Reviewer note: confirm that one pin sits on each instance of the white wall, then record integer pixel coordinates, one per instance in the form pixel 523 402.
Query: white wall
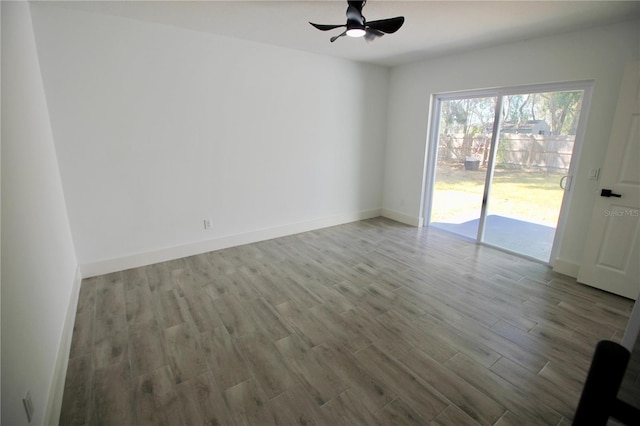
pixel 38 259
pixel 598 54
pixel 158 128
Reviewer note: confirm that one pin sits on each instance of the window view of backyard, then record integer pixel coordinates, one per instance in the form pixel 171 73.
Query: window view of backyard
pixel 535 145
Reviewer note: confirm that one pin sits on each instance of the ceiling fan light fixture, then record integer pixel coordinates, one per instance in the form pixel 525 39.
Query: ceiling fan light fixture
pixel 355 26
pixel 356 32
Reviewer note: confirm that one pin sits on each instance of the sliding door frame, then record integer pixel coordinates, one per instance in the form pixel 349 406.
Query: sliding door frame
pixel 431 153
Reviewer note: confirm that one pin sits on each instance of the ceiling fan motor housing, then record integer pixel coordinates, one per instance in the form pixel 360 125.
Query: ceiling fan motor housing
pixel 355 28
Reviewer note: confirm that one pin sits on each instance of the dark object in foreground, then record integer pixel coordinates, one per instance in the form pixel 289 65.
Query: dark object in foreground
pixel 599 396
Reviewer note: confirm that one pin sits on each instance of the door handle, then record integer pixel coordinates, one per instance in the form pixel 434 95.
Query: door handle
pixel 563 182
pixel 609 193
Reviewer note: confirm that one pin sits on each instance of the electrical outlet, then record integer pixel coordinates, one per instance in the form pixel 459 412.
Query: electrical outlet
pixel 28 405
pixel 207 224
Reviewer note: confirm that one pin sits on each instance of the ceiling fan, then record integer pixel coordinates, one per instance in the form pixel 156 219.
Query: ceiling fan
pixel 357 25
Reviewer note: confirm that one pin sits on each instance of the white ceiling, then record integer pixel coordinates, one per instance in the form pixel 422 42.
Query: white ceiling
pixel 432 28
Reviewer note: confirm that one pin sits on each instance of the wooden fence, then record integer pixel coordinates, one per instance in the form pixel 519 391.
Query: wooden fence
pixel 548 153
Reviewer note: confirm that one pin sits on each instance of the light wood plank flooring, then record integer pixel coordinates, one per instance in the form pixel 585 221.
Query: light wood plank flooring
pixel 372 322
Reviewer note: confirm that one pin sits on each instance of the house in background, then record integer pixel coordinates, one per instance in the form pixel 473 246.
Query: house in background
pixel 120 136
pixel 531 127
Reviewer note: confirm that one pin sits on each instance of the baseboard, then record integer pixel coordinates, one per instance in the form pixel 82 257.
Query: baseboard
pixel 54 403
pixel 163 255
pixel 566 267
pixel 402 218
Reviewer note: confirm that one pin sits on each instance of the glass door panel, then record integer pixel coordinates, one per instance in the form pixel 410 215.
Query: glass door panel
pixel 535 147
pixel 465 129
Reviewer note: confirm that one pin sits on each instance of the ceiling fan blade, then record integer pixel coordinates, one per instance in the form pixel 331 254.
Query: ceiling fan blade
pixel 323 27
pixel 387 26
pixel 372 35
pixel 334 38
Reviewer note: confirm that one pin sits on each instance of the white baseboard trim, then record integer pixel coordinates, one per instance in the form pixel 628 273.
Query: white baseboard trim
pixel 402 218
pixel 148 258
pixel 54 403
pixel 566 267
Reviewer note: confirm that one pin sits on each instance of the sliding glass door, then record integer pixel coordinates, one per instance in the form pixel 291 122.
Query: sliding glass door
pixel 503 166
pixel 466 127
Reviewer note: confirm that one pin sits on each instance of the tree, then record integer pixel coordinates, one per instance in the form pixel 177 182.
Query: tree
pixel 564 110
pixel 560 110
pixel 468 116
pixel 514 109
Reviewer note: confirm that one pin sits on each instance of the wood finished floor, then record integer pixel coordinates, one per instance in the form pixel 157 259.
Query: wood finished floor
pixel 372 322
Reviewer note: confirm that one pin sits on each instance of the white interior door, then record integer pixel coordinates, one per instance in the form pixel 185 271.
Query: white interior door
pixel 612 255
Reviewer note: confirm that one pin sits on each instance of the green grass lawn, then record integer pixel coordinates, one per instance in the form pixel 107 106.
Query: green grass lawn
pixel 528 195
